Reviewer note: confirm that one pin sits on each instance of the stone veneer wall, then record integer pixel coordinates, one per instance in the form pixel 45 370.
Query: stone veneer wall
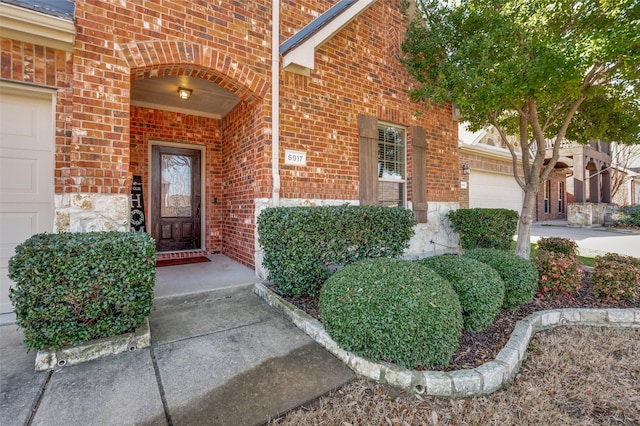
pixel 586 215
pixel 91 212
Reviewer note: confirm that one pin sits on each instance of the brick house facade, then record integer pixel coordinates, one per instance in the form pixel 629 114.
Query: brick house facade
pixel 104 134
pixel 553 197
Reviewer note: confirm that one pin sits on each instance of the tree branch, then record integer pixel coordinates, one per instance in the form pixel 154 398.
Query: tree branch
pixel 505 140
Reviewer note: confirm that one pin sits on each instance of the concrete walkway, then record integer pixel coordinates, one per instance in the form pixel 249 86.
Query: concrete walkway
pixel 217 358
pixel 591 241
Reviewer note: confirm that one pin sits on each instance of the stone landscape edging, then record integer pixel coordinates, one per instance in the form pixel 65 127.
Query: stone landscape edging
pixel 48 359
pixel 479 381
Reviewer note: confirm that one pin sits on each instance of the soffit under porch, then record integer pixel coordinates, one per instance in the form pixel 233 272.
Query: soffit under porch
pixel 207 99
pixel 218 82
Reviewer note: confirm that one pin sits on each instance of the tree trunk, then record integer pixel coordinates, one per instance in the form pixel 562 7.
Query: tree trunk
pixel 523 246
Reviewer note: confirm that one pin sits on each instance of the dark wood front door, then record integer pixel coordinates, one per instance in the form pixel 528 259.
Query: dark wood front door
pixel 175 208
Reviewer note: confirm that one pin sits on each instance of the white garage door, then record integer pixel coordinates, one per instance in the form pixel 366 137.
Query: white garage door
pixel 26 172
pixel 491 190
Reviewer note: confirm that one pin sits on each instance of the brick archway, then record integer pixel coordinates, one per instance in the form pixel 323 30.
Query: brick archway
pixel 150 59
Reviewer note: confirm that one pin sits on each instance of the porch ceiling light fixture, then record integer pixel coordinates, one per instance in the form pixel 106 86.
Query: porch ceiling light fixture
pixel 184 94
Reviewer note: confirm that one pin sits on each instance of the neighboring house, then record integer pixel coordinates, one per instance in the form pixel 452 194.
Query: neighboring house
pixel 583 177
pixel 555 194
pixel 626 174
pixel 92 99
pixel 627 186
pixel 486 168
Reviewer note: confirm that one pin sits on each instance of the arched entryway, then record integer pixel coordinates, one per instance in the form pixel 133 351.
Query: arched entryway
pixel 196 158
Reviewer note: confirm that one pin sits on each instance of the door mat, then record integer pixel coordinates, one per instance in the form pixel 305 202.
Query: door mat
pixel 183 261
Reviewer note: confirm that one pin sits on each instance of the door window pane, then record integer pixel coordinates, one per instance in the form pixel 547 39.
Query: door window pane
pixel 176 186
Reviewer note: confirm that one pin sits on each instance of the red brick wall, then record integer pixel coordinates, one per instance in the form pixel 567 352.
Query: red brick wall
pixel 157 125
pixel 486 163
pixel 243 181
pixel 464 160
pixel 106 52
pixel 356 72
pixel 102 140
pixel 43 66
pixel 231 178
pixel 555 178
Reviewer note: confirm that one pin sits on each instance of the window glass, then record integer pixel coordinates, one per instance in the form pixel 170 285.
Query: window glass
pixel 176 186
pixel 391 165
pixel 547 193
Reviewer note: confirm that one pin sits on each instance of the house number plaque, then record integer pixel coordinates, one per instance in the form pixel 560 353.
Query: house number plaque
pixel 295 158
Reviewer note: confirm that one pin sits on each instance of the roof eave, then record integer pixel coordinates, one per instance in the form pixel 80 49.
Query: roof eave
pixel 34 27
pixel 299 50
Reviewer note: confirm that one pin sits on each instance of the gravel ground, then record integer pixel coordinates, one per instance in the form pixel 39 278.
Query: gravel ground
pixel 572 376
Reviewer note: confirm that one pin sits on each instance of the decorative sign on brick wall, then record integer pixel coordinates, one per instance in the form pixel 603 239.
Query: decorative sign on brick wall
pixel 137 206
pixel 295 158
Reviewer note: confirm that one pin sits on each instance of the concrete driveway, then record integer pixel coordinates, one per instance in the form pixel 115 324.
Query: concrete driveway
pixel 591 241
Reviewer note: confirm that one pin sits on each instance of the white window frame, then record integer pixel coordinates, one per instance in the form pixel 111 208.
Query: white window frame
pixel 403 180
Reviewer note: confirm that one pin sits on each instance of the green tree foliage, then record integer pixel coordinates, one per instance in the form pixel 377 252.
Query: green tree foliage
pixel 544 70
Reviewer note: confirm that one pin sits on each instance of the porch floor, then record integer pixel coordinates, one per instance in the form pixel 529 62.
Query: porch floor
pixel 222 272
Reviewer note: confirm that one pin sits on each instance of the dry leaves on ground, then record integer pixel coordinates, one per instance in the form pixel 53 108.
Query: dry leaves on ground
pixel 476 348
pixel 572 376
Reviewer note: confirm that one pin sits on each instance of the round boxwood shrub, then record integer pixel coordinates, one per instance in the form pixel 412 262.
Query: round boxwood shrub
pixel 479 287
pixel 392 310
pixel 561 245
pixel 520 275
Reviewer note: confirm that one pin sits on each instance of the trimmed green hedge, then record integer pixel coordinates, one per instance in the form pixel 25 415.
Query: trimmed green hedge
pixel 520 276
pixel 392 310
pixel 301 243
pixel 75 287
pixel 479 287
pixel 629 216
pixel 484 228
pixel 561 245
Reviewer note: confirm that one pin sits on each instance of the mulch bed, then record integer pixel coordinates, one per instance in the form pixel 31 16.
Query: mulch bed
pixel 481 347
